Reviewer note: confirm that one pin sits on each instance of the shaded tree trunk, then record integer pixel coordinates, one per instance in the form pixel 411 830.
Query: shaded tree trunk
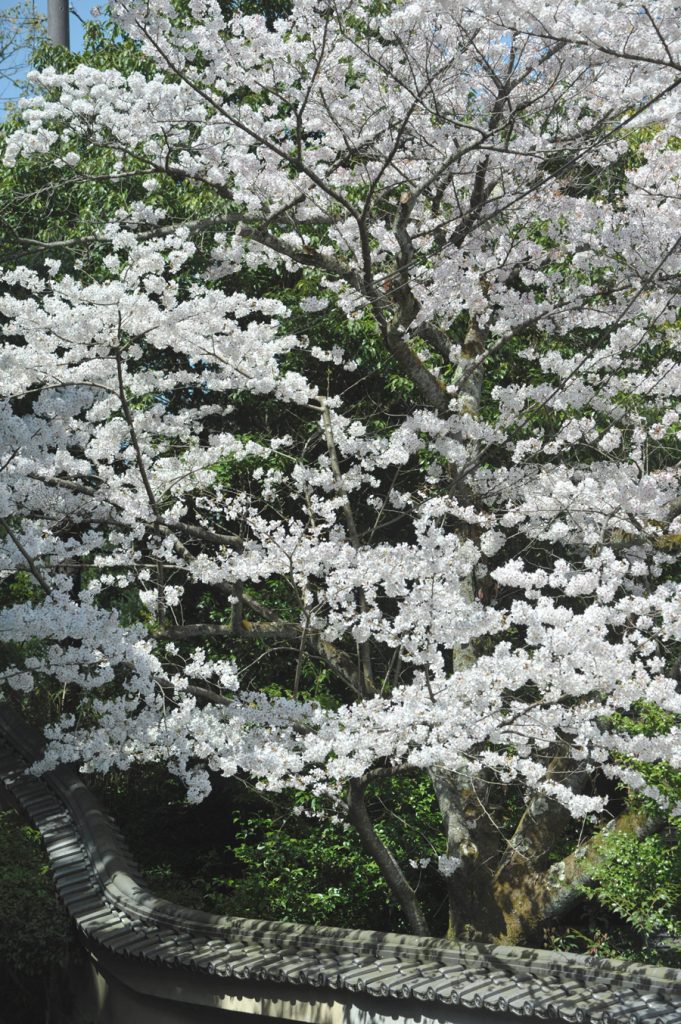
pixel 390 869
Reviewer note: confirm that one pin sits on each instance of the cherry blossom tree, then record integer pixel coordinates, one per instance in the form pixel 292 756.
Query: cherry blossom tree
pixel 442 469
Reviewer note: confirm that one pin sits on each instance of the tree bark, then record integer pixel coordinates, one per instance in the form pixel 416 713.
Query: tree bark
pixel 473 913
pixel 390 869
pixel 530 899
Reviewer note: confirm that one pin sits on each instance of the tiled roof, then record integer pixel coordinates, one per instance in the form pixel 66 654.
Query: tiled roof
pixel 110 905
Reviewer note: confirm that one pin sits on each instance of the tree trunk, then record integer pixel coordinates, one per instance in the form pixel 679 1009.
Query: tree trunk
pixel 473 913
pixel 390 869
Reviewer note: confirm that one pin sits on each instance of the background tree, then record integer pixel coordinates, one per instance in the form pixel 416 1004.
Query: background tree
pixel 22 29
pixel 406 502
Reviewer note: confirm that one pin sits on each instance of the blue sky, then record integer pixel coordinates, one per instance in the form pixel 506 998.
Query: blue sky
pixel 80 11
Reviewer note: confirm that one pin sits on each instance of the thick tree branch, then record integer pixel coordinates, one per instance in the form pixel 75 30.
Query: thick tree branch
pixel 542 824
pixel 390 869
pixel 532 899
pixel 257 630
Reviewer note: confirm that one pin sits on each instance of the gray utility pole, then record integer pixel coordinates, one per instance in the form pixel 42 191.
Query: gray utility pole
pixel 58 22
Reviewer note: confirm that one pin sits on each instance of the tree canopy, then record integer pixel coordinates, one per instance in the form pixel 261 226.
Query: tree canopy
pixel 343 445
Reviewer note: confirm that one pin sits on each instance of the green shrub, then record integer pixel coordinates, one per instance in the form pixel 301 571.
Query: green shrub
pixel 315 873
pixel 34 928
pixel 640 880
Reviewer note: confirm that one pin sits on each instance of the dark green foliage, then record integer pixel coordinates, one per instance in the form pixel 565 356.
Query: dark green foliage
pixel 244 854
pixel 309 866
pixel 315 872
pixel 595 932
pixel 177 845
pixel 34 929
pixel 640 880
pixel 634 911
